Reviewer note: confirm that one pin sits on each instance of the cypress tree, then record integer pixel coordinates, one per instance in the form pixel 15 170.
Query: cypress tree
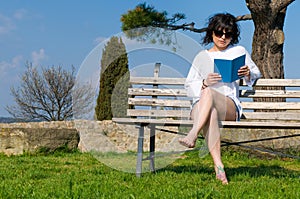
pixel 114 81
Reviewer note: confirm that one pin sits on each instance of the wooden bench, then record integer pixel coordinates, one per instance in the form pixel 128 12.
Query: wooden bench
pixel 162 101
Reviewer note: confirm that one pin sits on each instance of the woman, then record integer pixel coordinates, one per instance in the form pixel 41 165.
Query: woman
pixel 213 99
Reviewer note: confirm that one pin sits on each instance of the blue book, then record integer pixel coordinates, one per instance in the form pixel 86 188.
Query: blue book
pixel 228 69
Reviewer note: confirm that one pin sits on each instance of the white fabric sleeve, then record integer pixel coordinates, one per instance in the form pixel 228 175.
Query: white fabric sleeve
pixel 193 83
pixel 202 65
pixel 254 71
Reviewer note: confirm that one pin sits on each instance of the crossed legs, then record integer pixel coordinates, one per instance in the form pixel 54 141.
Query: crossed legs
pixel 206 114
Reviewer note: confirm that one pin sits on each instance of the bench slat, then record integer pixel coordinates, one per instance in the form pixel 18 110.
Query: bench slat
pixel 160 80
pixel 276 82
pixel 186 114
pixel 231 124
pixel 159 102
pixel 159 113
pixel 271 115
pixel 263 124
pixel 270 93
pixel 271 105
pixel 187 104
pixel 157 92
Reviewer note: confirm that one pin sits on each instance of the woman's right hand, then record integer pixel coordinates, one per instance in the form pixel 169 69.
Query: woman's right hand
pixel 212 78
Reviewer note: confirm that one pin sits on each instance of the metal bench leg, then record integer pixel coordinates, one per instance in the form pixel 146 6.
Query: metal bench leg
pixel 152 148
pixel 140 151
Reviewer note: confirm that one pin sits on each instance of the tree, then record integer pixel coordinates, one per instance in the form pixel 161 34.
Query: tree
pixel 49 95
pixel 268 39
pixel 114 81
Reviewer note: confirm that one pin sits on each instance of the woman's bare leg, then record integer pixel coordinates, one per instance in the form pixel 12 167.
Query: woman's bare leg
pixel 212 136
pixel 202 110
pixel 211 131
pixel 200 114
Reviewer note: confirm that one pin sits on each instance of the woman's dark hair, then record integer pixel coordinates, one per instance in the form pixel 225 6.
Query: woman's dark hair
pixel 222 21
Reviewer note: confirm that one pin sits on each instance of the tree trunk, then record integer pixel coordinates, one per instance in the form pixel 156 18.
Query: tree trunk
pixel 268 39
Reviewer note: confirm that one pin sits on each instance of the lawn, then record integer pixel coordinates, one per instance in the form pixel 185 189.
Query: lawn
pixel 81 175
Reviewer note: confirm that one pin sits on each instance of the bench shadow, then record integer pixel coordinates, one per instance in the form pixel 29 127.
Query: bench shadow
pixel 273 171
pixel 186 169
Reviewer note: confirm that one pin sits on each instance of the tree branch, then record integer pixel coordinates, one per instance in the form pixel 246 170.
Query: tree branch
pixel 244 17
pixel 191 27
pixel 278 6
pixel 47 95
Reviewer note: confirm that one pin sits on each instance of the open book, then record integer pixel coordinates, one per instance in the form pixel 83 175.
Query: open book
pixel 228 69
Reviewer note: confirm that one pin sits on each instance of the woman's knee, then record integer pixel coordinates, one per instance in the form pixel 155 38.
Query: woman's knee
pixel 207 93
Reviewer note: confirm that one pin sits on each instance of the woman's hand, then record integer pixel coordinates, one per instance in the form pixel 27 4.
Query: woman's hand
pixel 244 71
pixel 212 78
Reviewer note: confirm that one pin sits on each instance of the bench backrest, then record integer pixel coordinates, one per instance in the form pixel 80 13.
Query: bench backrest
pixel 160 97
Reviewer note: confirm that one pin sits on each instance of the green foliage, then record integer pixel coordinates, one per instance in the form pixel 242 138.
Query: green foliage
pixel 80 175
pixel 143 16
pixel 143 22
pixel 114 81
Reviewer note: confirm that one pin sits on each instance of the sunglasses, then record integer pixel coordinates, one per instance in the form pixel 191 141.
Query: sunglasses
pixel 220 33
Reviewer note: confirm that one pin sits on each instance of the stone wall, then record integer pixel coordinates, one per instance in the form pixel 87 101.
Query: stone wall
pixel 107 136
pixel 283 138
pixel 16 138
pixel 104 136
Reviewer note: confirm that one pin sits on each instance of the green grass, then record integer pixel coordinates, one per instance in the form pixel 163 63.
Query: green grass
pixel 81 175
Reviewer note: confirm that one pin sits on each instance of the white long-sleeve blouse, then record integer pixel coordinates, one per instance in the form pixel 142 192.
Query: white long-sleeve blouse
pixel 203 64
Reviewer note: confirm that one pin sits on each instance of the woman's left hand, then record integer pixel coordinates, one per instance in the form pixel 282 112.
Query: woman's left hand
pixel 244 71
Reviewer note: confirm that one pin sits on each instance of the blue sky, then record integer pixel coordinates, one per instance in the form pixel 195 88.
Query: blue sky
pixel 64 32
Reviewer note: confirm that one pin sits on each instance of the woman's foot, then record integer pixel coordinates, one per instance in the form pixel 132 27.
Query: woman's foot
pixel 188 141
pixel 221 175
